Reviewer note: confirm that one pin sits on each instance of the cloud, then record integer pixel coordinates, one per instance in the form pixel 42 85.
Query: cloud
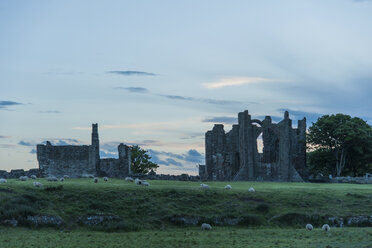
pixel 6 145
pixel 204 100
pixel 33 151
pixel 169 158
pixel 5 104
pixel 56 142
pixel 193 156
pixel 222 119
pixel 235 81
pixel 5 137
pixel 132 73
pixel 299 115
pixel 50 112
pixel 134 89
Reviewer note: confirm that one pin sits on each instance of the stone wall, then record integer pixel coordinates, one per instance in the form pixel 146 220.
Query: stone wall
pixel 75 161
pixel 234 155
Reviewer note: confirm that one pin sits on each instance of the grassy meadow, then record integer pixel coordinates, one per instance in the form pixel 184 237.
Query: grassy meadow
pixel 160 215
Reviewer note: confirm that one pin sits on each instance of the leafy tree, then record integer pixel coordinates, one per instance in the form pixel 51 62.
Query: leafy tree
pixel 140 160
pixel 347 139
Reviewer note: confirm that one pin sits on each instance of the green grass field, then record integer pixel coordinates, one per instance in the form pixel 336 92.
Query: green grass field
pixel 188 237
pixel 151 215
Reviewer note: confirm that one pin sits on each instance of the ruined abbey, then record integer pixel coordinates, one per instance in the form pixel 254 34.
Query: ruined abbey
pixel 234 155
pixel 77 161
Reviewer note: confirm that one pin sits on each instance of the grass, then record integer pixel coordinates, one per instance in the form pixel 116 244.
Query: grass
pixel 165 202
pixel 189 237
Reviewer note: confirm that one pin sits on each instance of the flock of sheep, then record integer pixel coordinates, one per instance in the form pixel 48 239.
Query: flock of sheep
pixel 141 182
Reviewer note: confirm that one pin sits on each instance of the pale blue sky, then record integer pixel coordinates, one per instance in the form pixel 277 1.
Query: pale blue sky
pixel 64 65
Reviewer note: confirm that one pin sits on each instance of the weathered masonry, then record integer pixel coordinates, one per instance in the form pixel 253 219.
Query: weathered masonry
pixel 76 161
pixel 234 155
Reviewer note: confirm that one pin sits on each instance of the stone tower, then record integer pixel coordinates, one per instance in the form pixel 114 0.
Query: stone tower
pixel 94 157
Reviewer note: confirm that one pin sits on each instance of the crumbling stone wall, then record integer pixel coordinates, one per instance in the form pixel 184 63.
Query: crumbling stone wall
pixel 234 155
pixel 76 161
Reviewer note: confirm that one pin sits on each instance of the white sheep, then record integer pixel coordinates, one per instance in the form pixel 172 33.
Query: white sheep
pixel 138 181
pixel 145 183
pixel 66 176
pixel 95 180
pixel 251 189
pixel 52 179
pixel 228 186
pixel 204 186
pixel 309 227
pixel 326 227
pixel 3 180
pixel 23 178
pixel 206 227
pixel 105 179
pixel 33 177
pixel 129 179
pixel 37 184
pixel 62 179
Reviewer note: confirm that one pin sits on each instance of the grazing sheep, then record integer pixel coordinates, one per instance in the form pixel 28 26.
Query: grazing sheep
pixel 206 227
pixel 309 227
pixel 87 176
pixel 52 179
pixel 129 179
pixel 326 227
pixel 145 183
pixel 38 184
pixel 228 186
pixel 3 180
pixel 95 180
pixel 33 177
pixel 204 186
pixel 138 181
pixel 62 179
pixel 105 179
pixel 23 178
pixel 66 176
pixel 251 189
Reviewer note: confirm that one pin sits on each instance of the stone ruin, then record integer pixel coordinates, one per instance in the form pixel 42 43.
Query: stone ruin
pixel 78 161
pixel 234 155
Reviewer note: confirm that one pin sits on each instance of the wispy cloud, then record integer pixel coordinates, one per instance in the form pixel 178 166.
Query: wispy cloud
pixel 132 73
pixel 54 141
pixel 191 156
pixel 5 104
pixel 204 100
pixel 221 119
pixel 298 114
pixel 5 137
pixel 134 89
pixel 50 112
pixel 235 81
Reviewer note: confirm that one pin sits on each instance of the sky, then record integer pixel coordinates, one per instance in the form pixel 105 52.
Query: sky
pixel 160 73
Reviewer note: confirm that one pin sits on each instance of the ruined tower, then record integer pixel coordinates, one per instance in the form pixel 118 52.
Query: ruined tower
pixel 234 155
pixel 94 158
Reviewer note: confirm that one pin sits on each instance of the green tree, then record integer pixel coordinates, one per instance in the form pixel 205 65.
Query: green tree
pixel 140 161
pixel 348 139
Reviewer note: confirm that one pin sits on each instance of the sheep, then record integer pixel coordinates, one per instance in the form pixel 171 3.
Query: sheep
pixel 309 227
pixel 37 184
pixel 87 176
pixel 206 227
pixel 228 186
pixel 52 179
pixel 23 178
pixel 138 181
pixel 145 183
pixel 62 179
pixel 95 180
pixel 105 179
pixel 66 176
pixel 326 227
pixel 251 189
pixel 204 186
pixel 3 180
pixel 129 179
pixel 33 177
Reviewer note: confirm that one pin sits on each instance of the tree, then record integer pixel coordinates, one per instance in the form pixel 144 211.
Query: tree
pixel 348 139
pixel 140 161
